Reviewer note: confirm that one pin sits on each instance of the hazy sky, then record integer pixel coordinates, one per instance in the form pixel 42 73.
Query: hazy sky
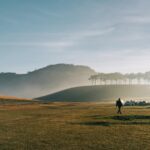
pixel 107 35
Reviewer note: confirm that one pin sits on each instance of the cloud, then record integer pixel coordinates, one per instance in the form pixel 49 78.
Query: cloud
pixel 77 38
pixel 92 33
pixel 50 45
pixel 138 19
pixel 62 41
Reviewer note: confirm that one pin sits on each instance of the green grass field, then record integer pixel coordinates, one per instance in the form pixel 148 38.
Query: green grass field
pixel 73 126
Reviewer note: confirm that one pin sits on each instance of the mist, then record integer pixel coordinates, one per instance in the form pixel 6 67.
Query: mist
pixel 45 80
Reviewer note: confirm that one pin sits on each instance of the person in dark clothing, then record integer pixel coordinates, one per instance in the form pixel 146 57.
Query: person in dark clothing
pixel 119 105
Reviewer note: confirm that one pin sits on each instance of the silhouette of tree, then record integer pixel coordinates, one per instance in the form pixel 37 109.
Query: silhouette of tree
pixel 118 78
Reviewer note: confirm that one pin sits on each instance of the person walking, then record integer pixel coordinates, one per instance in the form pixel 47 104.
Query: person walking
pixel 119 104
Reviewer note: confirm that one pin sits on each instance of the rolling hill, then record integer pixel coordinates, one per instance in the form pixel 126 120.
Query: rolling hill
pixel 45 80
pixel 99 93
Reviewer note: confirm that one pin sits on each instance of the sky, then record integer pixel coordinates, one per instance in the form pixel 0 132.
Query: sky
pixel 107 35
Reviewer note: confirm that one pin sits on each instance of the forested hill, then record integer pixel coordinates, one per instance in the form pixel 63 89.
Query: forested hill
pixel 45 80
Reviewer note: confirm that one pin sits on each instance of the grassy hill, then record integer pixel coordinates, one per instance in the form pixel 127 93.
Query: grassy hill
pixel 99 93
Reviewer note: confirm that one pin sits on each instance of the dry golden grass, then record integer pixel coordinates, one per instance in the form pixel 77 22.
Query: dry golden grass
pixel 73 126
pixel 12 98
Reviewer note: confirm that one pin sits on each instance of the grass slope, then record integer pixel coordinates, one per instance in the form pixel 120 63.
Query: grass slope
pixel 12 98
pixel 8 100
pixel 99 93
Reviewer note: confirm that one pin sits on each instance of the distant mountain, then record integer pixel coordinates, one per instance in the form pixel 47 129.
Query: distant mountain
pixel 99 93
pixel 45 80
